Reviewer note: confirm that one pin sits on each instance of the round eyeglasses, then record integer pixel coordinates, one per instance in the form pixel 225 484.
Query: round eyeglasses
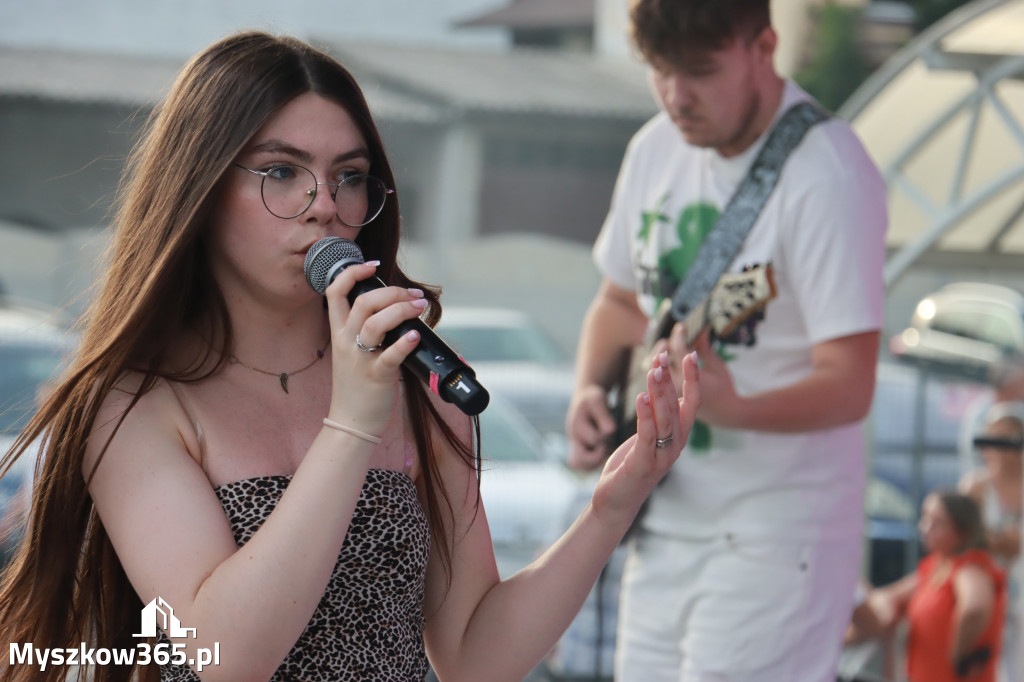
pixel 288 191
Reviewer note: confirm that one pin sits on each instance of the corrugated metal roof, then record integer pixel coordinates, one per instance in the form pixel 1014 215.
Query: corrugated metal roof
pixel 537 14
pixel 520 81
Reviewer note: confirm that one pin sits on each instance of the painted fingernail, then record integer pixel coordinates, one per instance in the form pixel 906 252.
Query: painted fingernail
pixel 416 293
pixel 374 263
pixel 413 336
pixel 693 356
pixel 419 303
pixel 659 374
pixel 646 398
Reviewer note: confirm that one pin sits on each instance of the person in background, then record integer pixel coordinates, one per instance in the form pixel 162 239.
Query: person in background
pixel 253 455
pixel 1005 385
pixel 997 488
pixel 743 567
pixel 954 602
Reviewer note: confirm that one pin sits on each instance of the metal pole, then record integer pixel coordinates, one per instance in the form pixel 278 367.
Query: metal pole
pixel 917 455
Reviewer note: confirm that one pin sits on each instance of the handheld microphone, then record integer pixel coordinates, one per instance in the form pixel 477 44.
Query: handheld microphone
pixel 433 361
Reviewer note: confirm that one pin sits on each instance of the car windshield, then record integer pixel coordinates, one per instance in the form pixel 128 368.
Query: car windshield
pixel 24 369
pixel 893 409
pixel 503 344
pixel 505 438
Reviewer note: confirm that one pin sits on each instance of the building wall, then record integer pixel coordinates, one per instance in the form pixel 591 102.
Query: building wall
pixel 554 178
pixel 60 162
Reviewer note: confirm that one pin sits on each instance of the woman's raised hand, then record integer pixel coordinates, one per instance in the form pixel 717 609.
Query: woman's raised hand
pixel 663 425
pixel 365 371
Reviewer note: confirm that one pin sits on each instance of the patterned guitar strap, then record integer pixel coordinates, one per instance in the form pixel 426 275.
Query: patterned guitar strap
pixel 723 243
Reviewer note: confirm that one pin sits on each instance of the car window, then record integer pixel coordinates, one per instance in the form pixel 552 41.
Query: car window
pixel 502 344
pixel 1000 330
pixel 895 403
pixel 506 437
pixel 956 322
pixel 24 369
pixel 998 325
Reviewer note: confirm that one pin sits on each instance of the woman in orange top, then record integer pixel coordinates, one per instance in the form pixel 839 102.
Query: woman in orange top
pixel 955 600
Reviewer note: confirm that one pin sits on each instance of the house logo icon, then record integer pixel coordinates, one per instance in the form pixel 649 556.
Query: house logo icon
pixel 158 608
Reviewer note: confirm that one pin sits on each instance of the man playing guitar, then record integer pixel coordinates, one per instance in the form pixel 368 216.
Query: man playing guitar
pixel 745 565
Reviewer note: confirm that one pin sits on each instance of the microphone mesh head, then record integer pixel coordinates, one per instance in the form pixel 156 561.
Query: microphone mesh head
pixel 324 255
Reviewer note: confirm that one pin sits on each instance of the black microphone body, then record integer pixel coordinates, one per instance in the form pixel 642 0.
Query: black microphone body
pixel 433 361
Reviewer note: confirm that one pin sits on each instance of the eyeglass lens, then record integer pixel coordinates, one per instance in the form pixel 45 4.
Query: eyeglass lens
pixel 289 190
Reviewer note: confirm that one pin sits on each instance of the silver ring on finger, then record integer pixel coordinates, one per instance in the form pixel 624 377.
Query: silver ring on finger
pixel 663 442
pixel 367 349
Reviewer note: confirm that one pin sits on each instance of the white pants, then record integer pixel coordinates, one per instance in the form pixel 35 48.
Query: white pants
pixel 734 610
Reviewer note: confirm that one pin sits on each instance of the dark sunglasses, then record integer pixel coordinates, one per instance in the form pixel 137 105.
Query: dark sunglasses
pixel 999 443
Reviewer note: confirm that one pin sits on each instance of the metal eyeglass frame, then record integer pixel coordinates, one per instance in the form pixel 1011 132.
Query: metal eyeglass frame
pixel 312 193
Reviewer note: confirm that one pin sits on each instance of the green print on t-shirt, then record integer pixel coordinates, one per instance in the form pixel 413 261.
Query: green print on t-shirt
pixel 694 223
pixel 649 218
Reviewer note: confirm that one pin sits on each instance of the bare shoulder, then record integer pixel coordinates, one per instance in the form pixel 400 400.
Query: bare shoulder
pixel 974 584
pixel 130 416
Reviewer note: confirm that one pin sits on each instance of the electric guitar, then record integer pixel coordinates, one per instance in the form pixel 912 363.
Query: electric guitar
pixel 731 312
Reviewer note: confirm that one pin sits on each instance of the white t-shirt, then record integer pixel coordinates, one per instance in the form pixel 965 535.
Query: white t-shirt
pixel 823 230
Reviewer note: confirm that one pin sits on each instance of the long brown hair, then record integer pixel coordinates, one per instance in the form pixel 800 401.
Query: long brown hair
pixel 65 584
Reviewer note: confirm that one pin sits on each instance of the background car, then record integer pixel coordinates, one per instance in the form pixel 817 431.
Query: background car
pixel 526 490
pixel 963 328
pixel 516 359
pixel 34 344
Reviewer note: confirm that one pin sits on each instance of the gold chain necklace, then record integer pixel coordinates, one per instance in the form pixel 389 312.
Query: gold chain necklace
pixel 283 376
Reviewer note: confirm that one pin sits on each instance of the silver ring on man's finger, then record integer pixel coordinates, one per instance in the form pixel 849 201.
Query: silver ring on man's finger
pixel 663 442
pixel 370 349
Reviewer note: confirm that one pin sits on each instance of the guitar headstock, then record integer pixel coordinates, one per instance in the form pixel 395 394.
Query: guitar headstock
pixel 738 297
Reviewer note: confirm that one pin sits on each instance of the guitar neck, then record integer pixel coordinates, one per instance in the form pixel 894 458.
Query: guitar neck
pixel 697 322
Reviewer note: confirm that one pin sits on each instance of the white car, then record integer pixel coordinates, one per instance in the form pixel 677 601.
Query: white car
pixel 527 492
pixel 963 328
pixel 33 346
pixel 515 359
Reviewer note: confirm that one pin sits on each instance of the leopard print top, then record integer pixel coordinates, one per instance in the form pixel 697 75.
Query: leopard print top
pixel 368 626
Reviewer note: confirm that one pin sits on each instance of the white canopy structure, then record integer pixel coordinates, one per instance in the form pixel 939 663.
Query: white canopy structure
pixel 944 120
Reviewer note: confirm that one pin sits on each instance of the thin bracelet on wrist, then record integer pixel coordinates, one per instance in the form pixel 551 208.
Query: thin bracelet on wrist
pixel 349 430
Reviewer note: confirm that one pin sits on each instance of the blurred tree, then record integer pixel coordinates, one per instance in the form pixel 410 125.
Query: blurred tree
pixel 930 11
pixel 837 65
